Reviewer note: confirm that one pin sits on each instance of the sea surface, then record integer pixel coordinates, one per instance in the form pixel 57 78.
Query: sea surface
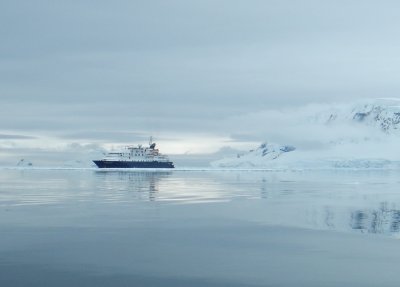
pixel 88 227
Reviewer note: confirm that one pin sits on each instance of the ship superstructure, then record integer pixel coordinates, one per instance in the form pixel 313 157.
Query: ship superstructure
pixel 136 157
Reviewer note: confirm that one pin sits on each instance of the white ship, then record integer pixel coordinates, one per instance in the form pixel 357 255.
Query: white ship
pixel 136 157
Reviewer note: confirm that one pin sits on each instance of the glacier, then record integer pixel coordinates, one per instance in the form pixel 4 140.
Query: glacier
pixel 361 135
pixel 254 158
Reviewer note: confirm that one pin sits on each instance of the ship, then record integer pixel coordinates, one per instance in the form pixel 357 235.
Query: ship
pixel 136 157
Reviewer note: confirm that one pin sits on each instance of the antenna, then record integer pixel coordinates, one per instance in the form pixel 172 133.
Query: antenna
pixel 151 140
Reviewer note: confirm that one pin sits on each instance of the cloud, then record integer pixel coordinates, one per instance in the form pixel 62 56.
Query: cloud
pixel 15 137
pixel 227 72
pixel 306 127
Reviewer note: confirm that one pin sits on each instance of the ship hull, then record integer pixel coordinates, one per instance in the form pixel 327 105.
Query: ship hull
pixel 133 164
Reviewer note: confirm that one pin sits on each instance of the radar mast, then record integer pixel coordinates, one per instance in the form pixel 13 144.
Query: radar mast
pixel 151 144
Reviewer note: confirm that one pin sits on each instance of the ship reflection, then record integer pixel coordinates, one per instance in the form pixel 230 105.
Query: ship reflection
pixel 142 185
pixel 293 202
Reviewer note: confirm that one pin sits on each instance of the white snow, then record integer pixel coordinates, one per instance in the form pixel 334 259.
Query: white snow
pixel 360 135
pixel 254 158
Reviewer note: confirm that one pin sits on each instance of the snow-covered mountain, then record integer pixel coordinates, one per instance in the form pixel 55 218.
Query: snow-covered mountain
pixel 360 135
pixel 253 158
pixel 383 114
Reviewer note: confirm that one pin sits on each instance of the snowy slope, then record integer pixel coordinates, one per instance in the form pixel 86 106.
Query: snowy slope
pixel 383 114
pixel 360 135
pixel 264 153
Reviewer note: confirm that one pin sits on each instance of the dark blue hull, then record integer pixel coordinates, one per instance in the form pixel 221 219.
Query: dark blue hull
pixel 133 164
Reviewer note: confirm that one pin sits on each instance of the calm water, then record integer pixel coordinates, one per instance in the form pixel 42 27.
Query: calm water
pixel 199 228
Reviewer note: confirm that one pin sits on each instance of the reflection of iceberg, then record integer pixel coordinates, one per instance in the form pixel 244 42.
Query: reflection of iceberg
pixel 339 201
pixel 381 220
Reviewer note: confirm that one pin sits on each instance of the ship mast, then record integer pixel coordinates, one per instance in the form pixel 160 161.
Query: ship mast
pixel 151 144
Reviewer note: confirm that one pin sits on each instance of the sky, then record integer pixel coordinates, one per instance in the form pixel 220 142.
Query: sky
pixel 189 73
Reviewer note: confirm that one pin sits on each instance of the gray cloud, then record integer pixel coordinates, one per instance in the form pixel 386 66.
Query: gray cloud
pixel 15 137
pixel 109 135
pixel 120 71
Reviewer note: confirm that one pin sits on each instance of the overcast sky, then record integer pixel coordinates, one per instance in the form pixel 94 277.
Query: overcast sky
pixel 110 72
